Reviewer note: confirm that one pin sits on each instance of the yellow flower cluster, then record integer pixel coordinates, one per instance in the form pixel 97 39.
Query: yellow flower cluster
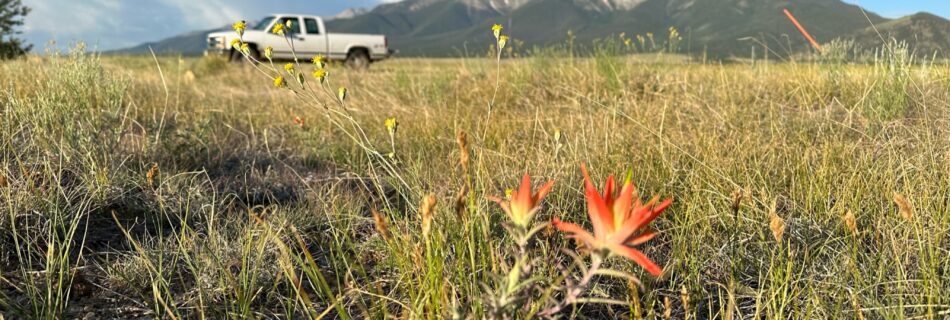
pixel 391 125
pixel 268 52
pixel 319 61
pixel 279 82
pixel 320 75
pixel 500 40
pixel 239 27
pixel 278 29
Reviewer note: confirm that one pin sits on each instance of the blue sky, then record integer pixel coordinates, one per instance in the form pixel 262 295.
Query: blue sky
pixel 111 24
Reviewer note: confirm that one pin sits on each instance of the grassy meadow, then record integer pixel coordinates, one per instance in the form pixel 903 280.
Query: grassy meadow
pixel 193 188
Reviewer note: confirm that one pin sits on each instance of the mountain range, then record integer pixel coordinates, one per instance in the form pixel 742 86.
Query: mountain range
pixel 720 28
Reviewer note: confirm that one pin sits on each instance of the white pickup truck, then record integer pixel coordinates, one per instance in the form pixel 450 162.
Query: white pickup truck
pixel 310 37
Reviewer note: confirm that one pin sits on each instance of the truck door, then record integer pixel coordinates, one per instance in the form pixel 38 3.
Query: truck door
pixel 315 39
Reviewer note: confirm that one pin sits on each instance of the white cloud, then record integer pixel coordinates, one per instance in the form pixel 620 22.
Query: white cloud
pixel 68 17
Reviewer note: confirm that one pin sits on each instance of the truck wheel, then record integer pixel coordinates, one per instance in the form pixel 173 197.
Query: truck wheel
pixel 357 59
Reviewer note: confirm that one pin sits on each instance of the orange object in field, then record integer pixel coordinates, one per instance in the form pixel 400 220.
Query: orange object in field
pixel 802 29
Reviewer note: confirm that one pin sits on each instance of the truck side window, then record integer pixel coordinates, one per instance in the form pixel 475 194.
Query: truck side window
pixel 295 28
pixel 312 27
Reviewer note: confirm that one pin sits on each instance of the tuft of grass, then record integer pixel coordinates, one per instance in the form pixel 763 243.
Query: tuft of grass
pixel 250 214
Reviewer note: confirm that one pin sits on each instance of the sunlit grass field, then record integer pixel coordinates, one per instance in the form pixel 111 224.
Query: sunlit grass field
pixel 141 187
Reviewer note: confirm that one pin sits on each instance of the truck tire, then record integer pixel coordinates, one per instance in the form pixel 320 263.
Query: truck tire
pixel 357 59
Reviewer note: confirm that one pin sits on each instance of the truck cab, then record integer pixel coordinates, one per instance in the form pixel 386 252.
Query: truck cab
pixel 306 37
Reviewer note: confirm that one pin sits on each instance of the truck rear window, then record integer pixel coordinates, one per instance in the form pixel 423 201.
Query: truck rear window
pixel 312 27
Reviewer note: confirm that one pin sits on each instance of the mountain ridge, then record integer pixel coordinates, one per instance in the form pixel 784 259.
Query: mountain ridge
pixel 447 27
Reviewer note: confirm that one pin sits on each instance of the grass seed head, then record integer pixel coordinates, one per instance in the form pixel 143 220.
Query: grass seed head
pixel 150 175
pixel 461 203
pixel 3 180
pixel 906 210
pixel 777 225
pixel 667 308
pixel 426 211
pixel 684 297
pixel 851 223
pixel 736 201
pixel 462 139
pixel 382 226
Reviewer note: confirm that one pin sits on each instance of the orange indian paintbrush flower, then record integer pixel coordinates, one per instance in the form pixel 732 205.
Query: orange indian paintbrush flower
pixel 619 222
pixel 523 204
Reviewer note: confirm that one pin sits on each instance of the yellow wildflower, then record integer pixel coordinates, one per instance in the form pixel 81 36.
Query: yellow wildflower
pixel 278 29
pixel 239 27
pixel 319 61
pixel 245 48
pixel 391 125
pixel 235 43
pixel 502 41
pixel 320 75
pixel 268 52
pixel 341 93
pixel 496 29
pixel 289 67
pixel 279 82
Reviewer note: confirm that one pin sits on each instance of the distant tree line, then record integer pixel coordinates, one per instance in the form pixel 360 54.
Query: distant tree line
pixel 12 13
